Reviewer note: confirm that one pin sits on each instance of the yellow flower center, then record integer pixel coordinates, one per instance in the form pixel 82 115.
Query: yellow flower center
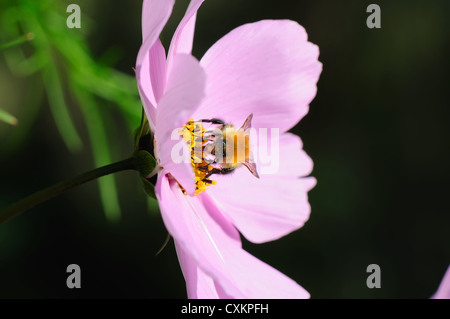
pixel 193 134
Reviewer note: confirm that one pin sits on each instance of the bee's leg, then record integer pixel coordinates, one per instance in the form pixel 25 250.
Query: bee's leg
pixel 222 171
pixel 207 180
pixel 211 172
pixel 205 167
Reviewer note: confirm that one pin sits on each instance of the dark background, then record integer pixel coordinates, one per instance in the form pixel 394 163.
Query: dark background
pixel 377 131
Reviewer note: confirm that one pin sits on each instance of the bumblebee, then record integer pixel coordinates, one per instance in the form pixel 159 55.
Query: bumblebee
pixel 226 148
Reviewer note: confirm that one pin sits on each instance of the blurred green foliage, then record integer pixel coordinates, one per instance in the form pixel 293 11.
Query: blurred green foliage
pixel 7 118
pixel 71 78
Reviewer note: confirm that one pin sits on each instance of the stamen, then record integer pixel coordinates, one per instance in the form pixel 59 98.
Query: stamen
pixel 193 134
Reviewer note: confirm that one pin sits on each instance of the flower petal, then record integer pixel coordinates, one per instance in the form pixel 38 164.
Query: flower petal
pixel 155 14
pixel 151 77
pixel 151 62
pixel 267 68
pixel 195 231
pixel 198 284
pixel 285 207
pixel 213 244
pixel 183 37
pixel 257 280
pixel 443 291
pixel 184 93
pixel 279 154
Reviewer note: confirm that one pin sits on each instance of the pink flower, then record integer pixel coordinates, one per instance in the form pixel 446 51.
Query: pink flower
pixel 443 291
pixel 267 68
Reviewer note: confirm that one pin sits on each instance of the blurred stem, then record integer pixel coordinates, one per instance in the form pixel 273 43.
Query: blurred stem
pixel 8 118
pixel 59 108
pixel 25 38
pixel 52 191
pixel 102 152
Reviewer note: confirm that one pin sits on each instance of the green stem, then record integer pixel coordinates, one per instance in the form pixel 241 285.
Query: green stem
pixel 25 38
pixel 52 191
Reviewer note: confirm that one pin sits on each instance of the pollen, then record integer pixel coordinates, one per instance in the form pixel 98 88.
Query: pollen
pixel 193 134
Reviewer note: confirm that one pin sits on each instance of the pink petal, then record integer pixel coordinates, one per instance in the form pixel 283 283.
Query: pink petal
pixel 155 14
pixel 272 206
pixel 281 155
pixel 184 93
pixel 183 37
pixel 267 68
pixel 257 280
pixel 195 232
pixel 209 241
pixel 151 77
pixel 262 209
pixel 443 291
pixel 198 284
pixel 150 63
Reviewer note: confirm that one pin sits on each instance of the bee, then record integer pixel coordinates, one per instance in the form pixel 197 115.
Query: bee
pixel 227 148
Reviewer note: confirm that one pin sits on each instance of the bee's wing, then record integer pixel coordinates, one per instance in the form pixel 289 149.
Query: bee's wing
pixel 247 124
pixel 252 168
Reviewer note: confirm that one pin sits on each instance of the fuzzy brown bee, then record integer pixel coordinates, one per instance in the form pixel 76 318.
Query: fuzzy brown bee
pixel 219 150
pixel 229 148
